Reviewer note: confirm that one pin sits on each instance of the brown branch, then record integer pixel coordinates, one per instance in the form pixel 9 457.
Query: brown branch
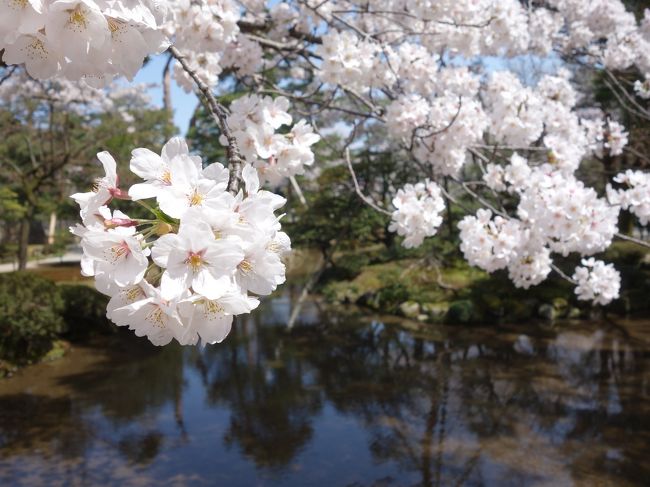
pixel 637 241
pixel 365 198
pixel 167 89
pixel 220 115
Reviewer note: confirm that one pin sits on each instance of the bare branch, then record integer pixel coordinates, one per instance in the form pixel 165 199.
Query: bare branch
pixel 365 198
pixel 296 187
pixel 561 273
pixel 637 241
pixel 220 115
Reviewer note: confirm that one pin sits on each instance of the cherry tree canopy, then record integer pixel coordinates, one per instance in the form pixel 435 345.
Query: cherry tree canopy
pixel 430 81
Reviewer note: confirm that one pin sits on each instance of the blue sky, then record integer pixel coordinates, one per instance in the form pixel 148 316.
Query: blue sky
pixel 183 103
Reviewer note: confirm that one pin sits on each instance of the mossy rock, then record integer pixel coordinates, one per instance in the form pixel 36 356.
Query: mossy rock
pixel 410 309
pixel 436 312
pixel 561 306
pixel 547 312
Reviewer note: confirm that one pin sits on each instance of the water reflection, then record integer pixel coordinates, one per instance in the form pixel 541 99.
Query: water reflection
pixel 342 399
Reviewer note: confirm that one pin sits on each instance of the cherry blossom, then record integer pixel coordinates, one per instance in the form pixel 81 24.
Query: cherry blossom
pixel 597 281
pixel 418 212
pixel 202 258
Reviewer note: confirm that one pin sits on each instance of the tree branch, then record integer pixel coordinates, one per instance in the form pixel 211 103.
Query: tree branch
pixel 365 198
pixel 220 115
pixel 637 241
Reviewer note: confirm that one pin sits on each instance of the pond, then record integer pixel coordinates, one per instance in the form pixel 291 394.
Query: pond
pixel 344 398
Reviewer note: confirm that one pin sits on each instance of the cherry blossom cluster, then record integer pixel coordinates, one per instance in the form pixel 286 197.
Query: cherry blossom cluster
pixel 503 243
pixel 255 120
pixel 556 213
pixel 439 130
pixel 75 39
pixel 596 281
pixel 418 212
pixel 204 256
pixel 602 31
pixel 635 194
pixel 642 88
pixel 347 60
pixel 204 32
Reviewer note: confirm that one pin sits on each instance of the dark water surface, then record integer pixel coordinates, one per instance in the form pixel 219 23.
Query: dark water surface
pixel 343 399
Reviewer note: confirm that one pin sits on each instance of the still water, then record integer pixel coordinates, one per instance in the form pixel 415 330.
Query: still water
pixel 342 399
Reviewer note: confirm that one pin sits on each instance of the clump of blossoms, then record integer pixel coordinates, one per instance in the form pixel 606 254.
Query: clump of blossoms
pixel 277 156
pixel 556 213
pixel 634 196
pixel 503 243
pixel 93 40
pixel 418 212
pixel 204 256
pixel 597 281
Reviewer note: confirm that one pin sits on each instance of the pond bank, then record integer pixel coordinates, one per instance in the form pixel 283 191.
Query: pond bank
pixel 455 293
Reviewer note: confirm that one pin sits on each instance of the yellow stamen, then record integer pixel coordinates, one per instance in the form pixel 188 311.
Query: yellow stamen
pixel 245 267
pixel 195 198
pixel 156 317
pixel 166 177
pixel 97 184
pixel 211 309
pixel 116 252
pixel 77 19
pixel 274 247
pixel 195 261
pixel 133 294
pixel 20 4
pixel 113 25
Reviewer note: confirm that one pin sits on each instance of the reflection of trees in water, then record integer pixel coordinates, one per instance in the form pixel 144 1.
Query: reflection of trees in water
pixel 30 422
pixel 138 379
pixel 267 388
pixel 462 406
pixel 454 408
pixel 450 409
pixel 128 386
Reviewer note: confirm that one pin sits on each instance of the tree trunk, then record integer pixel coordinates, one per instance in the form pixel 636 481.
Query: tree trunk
pixel 23 240
pixel 51 230
pixel 167 88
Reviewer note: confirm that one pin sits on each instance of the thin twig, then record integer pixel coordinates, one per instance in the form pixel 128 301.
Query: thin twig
pixel 637 241
pixel 365 198
pixel 562 274
pixel 299 193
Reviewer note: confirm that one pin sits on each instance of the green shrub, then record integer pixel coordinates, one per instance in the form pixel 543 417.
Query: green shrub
pixel 30 316
pixel 461 312
pixel 85 311
pixel 390 297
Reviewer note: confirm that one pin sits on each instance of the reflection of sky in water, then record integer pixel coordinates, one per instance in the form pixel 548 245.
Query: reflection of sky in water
pixel 342 399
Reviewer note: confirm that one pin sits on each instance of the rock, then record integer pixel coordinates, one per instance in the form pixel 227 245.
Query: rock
pixel 436 311
pixel 410 309
pixel 561 306
pixel 422 317
pixel 547 311
pixel 574 313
